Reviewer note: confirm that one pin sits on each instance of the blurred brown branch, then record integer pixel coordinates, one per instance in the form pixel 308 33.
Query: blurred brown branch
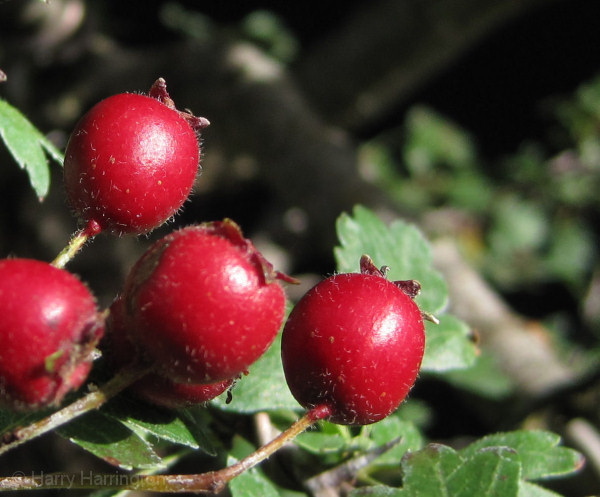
pixel 387 50
pixel 523 348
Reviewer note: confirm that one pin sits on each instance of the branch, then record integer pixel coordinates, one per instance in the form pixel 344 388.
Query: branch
pixel 211 482
pixel 89 402
pixel 524 351
pixel 387 50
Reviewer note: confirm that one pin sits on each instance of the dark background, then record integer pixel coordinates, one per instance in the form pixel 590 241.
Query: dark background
pixel 284 148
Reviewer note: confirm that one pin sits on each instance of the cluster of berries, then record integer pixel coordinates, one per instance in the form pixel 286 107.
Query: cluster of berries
pixel 202 304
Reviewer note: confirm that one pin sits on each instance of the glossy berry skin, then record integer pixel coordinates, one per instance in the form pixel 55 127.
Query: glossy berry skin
pixel 354 344
pixel 203 304
pixel 130 163
pixel 49 328
pixel 152 388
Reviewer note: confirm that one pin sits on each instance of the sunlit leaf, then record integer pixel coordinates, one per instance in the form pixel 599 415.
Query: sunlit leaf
pixel 538 451
pixel 400 246
pixel 28 147
pixel 109 440
pixel 449 346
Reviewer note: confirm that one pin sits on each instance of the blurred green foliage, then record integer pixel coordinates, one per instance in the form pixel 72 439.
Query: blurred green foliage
pixel 526 219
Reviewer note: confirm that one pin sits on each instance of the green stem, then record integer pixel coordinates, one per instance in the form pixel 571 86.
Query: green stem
pixel 211 482
pixel 92 400
pixel 78 240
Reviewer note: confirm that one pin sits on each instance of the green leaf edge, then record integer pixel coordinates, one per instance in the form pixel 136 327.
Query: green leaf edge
pixel 28 146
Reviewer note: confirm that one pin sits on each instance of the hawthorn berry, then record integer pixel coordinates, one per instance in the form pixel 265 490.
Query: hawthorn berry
pixel 131 161
pixel 353 345
pixel 152 388
pixel 163 392
pixel 49 328
pixel 203 303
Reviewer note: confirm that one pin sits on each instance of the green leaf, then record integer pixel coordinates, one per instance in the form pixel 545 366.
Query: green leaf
pixel 168 462
pixel 538 452
pixel 448 346
pixel 439 471
pixel 264 388
pixel 527 489
pixel 250 483
pixel 331 438
pixel 317 442
pixel 163 424
pixel 392 428
pixel 27 146
pixel 401 246
pixel 485 378
pixel 109 440
pixel 519 225
pixel 433 140
pixel 489 473
pixel 10 420
pixel 428 470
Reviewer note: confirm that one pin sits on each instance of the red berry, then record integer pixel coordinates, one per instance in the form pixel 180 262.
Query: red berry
pixel 49 328
pixel 161 391
pixel 152 388
pixel 354 344
pixel 131 161
pixel 203 303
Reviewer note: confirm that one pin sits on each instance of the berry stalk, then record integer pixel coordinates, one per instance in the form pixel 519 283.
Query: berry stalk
pixel 78 240
pixel 89 402
pixel 211 482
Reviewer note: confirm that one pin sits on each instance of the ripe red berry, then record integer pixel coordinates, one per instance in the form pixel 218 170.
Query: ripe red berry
pixel 152 388
pixel 49 328
pixel 131 161
pixel 203 303
pixel 353 344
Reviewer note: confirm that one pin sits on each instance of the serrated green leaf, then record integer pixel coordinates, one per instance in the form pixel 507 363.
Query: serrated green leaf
pixel 27 146
pixel 440 471
pixel 401 246
pixel 448 346
pixel 163 424
pixel 490 472
pixel 264 388
pixel 109 440
pixel 427 471
pixel 538 452
pixel 169 461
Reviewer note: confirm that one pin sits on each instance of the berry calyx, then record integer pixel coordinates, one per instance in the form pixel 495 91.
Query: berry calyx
pixel 353 346
pixel 49 328
pixel 131 161
pixel 203 303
